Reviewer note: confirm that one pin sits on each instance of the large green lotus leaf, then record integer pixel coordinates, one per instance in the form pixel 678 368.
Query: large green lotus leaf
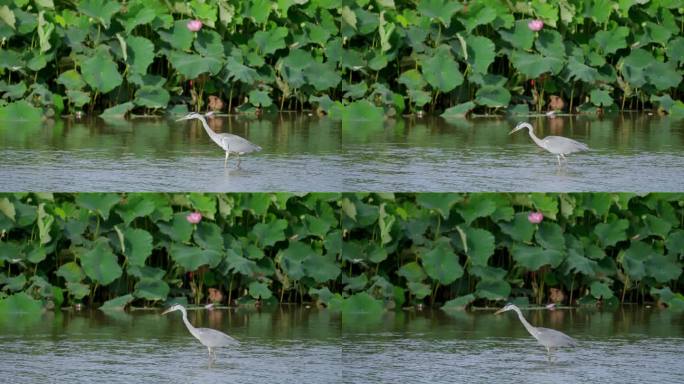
pixel 140 52
pixel 546 203
pixel 117 303
pixel 179 36
pixel 13 91
pixel 412 79
pixel 580 264
pixel 442 10
pixel 600 290
pixel 634 66
pixel 209 43
pixel 205 203
pixel 611 233
pixel 191 258
pixel 78 98
pixel 258 10
pixel 260 98
pixel 137 205
pixel 78 290
pixel 610 41
pixel 459 303
pixel 598 203
pixel 600 98
pixel 20 303
pixel 356 283
pixel 654 225
pixel 35 253
pixel 441 70
pixel 550 236
pixel 440 202
pixel 663 268
pixel 487 273
pixel 179 229
pixel 361 303
pixel 493 96
pixel 674 301
pixel 441 263
pixel 519 229
pixel 412 271
pixel 238 264
pixel 533 258
pixel 458 111
pixel 71 79
pixel 20 111
pixel 476 206
pixel 139 15
pixel 292 259
pixel 675 242
pixel 269 233
pixel 100 203
pixel 419 290
pixel 100 72
pixel 480 245
pixel 191 65
pixel 481 53
pixel 322 76
pixel 152 97
pixel 151 289
pixel 101 10
pixel 634 258
pixel 675 50
pixel 321 268
pixel 208 236
pixel 145 272
pixel 71 272
pixel 237 71
pixel 138 244
pixel 520 36
pixel 257 203
pixel 663 76
pixel 316 226
pixel 259 290
pixel 118 111
pixel 100 264
pixel 580 71
pixel 271 40
pixel 478 14
pixel 493 289
pixel 533 65
pixel 15 283
pixel 362 110
pixel 550 44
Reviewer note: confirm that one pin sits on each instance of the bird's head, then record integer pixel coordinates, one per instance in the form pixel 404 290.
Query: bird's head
pixel 175 307
pixel 190 116
pixel 521 125
pixel 507 307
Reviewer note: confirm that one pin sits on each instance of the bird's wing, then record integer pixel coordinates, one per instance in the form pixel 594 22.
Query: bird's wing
pixel 556 338
pixel 213 338
pixel 238 143
pixel 564 144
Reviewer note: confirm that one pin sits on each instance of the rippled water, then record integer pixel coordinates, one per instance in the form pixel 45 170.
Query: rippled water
pixel 283 346
pixel 628 153
pixel 297 345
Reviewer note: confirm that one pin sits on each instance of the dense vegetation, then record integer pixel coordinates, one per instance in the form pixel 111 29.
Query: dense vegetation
pixel 458 249
pixel 351 252
pixel 67 248
pixel 355 59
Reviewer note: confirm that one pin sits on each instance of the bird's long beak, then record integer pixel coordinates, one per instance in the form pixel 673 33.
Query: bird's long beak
pixel 183 118
pixel 516 129
pixel 167 311
pixel 500 311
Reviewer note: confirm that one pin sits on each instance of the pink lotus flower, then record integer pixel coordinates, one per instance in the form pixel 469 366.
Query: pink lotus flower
pixel 194 217
pixel 535 25
pixel 535 217
pixel 194 25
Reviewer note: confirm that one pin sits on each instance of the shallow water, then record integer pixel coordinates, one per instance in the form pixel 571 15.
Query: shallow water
pixel 630 345
pixel 636 153
pixel 298 345
pixel 627 153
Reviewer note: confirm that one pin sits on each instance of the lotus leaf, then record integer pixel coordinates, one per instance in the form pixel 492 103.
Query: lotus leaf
pixel 600 290
pixel 533 258
pixel 71 79
pixel 441 70
pixel 100 264
pixel 519 229
pixel 71 272
pixel 20 303
pixel 100 72
pixel 138 243
pixel 179 229
pixel 100 203
pixel 440 202
pixel 117 303
pixel 480 245
pixel 191 258
pixel 441 263
pixel 442 10
pixel 493 289
pixel 20 111
pixel 611 233
pixel 151 289
pixel 267 234
pixel 459 303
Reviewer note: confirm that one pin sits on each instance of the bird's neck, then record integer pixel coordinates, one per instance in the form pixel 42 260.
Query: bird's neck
pixel 214 136
pixel 535 138
pixel 532 330
pixel 187 323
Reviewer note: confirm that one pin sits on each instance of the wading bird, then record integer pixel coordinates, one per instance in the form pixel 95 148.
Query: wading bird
pixel 558 145
pixel 549 338
pixel 227 141
pixel 210 338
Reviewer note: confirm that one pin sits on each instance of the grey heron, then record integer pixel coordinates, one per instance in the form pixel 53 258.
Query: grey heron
pixel 227 141
pixel 210 338
pixel 549 338
pixel 558 145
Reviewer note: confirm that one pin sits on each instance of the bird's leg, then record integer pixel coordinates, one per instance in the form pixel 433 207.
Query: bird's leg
pixel 564 158
pixel 558 157
pixel 209 348
pixel 225 162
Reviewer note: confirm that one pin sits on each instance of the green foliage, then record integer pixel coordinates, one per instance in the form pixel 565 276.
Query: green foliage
pixel 287 54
